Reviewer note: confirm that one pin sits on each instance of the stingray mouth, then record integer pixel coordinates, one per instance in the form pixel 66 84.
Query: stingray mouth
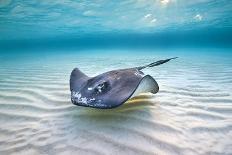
pixel 112 100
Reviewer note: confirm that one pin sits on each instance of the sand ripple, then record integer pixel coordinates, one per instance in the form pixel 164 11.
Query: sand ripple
pixel 192 113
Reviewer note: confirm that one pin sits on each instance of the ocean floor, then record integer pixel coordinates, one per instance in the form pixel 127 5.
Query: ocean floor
pixel 191 114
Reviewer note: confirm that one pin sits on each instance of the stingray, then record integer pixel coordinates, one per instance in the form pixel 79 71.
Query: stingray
pixel 113 88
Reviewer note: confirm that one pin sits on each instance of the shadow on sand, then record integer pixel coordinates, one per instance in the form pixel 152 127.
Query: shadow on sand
pixel 138 108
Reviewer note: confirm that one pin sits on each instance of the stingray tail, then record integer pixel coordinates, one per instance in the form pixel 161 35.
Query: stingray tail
pixel 157 63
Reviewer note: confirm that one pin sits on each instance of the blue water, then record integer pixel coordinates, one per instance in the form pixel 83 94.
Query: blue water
pixel 41 41
pixel 125 23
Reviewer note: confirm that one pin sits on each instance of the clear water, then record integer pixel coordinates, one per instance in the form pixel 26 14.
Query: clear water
pixel 26 19
pixel 42 41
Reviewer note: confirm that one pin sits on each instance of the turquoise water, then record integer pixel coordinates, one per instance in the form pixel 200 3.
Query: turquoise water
pixel 42 41
pixel 106 24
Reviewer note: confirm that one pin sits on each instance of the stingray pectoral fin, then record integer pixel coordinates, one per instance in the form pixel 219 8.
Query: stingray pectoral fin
pixel 147 84
pixel 77 78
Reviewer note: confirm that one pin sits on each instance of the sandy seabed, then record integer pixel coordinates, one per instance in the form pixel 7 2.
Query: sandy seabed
pixel 191 114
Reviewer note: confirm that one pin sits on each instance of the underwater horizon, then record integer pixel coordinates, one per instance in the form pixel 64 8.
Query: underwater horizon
pixel 42 41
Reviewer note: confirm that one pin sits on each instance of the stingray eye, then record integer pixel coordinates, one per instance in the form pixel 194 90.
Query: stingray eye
pixel 102 87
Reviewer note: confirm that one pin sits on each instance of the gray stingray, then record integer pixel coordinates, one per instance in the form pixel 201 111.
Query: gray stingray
pixel 111 89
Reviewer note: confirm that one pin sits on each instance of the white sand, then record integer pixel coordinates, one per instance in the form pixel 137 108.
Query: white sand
pixel 192 113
